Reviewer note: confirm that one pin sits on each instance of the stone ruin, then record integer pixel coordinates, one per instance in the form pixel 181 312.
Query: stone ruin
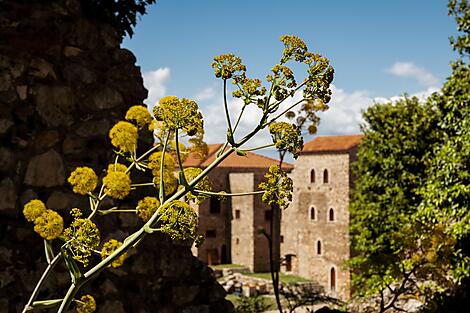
pixel 64 81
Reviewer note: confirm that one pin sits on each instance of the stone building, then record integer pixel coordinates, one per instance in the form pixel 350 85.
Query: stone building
pixel 314 229
pixel 231 227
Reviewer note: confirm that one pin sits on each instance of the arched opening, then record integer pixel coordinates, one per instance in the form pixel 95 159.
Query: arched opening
pixel 325 176
pixel 319 247
pixel 332 279
pixel 312 214
pixel 312 176
pixel 331 215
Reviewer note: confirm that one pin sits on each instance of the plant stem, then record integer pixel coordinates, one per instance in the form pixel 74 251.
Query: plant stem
pixel 227 114
pixel 46 273
pixel 69 296
pixel 224 194
pixel 258 148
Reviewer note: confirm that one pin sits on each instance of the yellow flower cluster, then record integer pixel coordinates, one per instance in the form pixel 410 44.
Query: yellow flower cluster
pixel 49 225
pixel 204 184
pixel 284 80
pixel 277 188
pixel 117 167
pixel 108 248
pixel 249 90
pixel 34 209
pixel 117 184
pixel 87 304
pixel 169 180
pixel 178 220
pixel 83 180
pixel 226 65
pixel 294 47
pixel 179 114
pixel 287 137
pixel 83 236
pixel 124 136
pixel 140 115
pixel 146 207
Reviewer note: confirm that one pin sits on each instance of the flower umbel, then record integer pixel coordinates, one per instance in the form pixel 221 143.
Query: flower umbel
pixel 146 207
pixel 49 225
pixel 277 186
pixel 83 180
pixel 204 184
pixel 82 236
pixel 124 136
pixel 117 184
pixel 117 167
pixel 86 304
pixel 139 115
pixel 287 137
pixel 178 220
pixel 34 209
pixel 108 248
pixel 226 65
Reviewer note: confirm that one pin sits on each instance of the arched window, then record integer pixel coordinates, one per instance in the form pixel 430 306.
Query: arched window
pixel 325 176
pixel 332 279
pixel 319 247
pixel 312 214
pixel 312 176
pixel 331 215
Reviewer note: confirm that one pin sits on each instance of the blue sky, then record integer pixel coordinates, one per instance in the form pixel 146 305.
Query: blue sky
pixel 379 49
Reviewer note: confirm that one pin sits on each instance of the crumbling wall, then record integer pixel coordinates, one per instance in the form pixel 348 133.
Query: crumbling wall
pixel 64 81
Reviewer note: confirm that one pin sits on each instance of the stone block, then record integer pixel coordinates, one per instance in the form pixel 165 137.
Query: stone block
pixel 7 194
pixel 55 105
pixel 45 170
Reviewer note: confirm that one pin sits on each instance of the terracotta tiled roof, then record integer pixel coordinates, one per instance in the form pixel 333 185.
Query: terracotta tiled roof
pixel 332 144
pixel 251 160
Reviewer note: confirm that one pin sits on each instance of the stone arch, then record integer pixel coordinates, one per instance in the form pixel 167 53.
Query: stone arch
pixel 312 176
pixel 326 177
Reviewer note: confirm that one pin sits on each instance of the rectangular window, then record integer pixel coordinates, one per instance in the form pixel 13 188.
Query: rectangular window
pixel 214 205
pixel 281 239
pixel 267 215
pixel 210 233
pixel 237 214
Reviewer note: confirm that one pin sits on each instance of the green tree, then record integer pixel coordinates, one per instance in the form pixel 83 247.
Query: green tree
pixel 410 226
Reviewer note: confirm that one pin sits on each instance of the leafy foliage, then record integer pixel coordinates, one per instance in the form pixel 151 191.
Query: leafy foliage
pixel 121 14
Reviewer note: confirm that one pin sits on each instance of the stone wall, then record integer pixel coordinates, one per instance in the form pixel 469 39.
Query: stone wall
pixel 64 81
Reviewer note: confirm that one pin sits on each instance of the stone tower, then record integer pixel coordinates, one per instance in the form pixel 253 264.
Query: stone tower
pixel 231 227
pixel 314 229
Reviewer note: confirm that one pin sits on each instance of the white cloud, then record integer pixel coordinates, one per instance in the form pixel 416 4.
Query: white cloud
pixel 342 118
pixel 409 69
pixel 155 82
pixel 205 94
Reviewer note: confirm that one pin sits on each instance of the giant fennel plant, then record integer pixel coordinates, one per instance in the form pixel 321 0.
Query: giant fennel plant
pixel 168 210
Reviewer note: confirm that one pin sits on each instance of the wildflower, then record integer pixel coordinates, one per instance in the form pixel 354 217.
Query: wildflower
pixel 248 88
pixel 179 114
pixel 278 187
pixel 204 184
pixel 287 137
pixel 294 47
pixel 178 220
pixel 169 182
pixel 49 225
pixel 108 248
pixel 117 167
pixel 124 136
pixel 34 209
pixel 140 115
pixel 284 80
pixel 83 236
pixel 87 304
pixel 146 207
pixel 226 65
pixel 117 184
pixel 155 159
pixel 83 180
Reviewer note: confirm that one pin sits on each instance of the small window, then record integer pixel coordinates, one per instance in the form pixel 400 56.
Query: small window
pixel 210 233
pixel 325 176
pixel 332 279
pixel 331 215
pixel 214 206
pixel 313 214
pixel 312 176
pixel 319 247
pixel 237 214
pixel 281 239
pixel 237 241
pixel 267 215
